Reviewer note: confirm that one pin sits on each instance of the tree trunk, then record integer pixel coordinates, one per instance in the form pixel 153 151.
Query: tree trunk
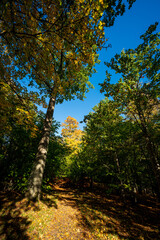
pixel 153 156
pixel 91 181
pixel 155 165
pixel 119 173
pixel 36 177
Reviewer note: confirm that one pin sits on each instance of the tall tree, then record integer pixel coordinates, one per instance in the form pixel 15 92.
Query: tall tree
pixel 138 90
pixel 55 44
pixel 70 63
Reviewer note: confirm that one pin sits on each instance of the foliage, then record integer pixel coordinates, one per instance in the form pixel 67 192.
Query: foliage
pixel 55 43
pixel 72 137
pixel 138 93
pixel 57 39
pixel 121 137
pixel 18 148
pixel 139 68
pixel 71 134
pixel 53 47
pixel 14 110
pixel 114 150
pixel 56 163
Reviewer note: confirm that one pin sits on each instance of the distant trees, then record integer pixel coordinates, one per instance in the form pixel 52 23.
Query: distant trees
pixel 138 91
pixel 71 134
pixel 102 142
pixel 120 144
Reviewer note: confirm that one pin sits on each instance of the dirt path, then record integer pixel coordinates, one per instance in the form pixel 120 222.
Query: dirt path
pixel 68 222
pixel 56 217
pixel 65 213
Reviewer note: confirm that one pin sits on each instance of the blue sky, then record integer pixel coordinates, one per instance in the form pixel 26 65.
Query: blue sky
pixel 123 35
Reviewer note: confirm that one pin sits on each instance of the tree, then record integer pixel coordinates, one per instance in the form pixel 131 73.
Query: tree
pixel 113 151
pixel 103 137
pixel 55 44
pixel 15 159
pixel 72 138
pixel 70 71
pixel 71 134
pixel 138 90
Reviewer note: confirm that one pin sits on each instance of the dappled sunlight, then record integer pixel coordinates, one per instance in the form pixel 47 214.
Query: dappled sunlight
pixel 109 216
pixel 12 224
pixel 65 212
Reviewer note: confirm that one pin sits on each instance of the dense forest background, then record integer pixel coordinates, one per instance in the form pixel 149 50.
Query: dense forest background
pixel 120 144
pixel 116 148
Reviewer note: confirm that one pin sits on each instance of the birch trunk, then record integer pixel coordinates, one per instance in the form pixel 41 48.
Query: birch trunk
pixel 36 177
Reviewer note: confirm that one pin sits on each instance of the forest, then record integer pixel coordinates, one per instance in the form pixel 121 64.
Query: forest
pixel 102 182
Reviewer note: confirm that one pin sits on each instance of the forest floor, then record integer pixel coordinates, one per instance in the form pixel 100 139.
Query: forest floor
pixel 68 213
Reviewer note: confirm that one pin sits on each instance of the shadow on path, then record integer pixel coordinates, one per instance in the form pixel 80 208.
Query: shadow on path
pixel 110 216
pixel 12 224
pixel 75 214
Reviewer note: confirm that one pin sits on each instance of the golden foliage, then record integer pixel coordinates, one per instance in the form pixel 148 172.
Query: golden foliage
pixel 71 134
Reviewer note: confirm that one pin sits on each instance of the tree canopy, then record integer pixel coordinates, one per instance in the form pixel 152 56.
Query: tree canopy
pixel 50 47
pixel 51 41
pixel 138 90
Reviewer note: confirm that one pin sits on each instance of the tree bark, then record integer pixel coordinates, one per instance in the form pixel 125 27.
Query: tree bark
pixel 153 156
pixel 155 164
pixel 119 173
pixel 36 177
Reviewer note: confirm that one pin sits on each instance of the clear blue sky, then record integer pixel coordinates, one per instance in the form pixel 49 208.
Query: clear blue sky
pixel 123 35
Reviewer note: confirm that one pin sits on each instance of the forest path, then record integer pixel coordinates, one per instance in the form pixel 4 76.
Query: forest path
pixel 56 217
pixel 68 221
pixel 66 213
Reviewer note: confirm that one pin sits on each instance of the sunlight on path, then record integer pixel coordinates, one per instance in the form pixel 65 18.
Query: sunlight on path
pixel 67 220
pixel 65 213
